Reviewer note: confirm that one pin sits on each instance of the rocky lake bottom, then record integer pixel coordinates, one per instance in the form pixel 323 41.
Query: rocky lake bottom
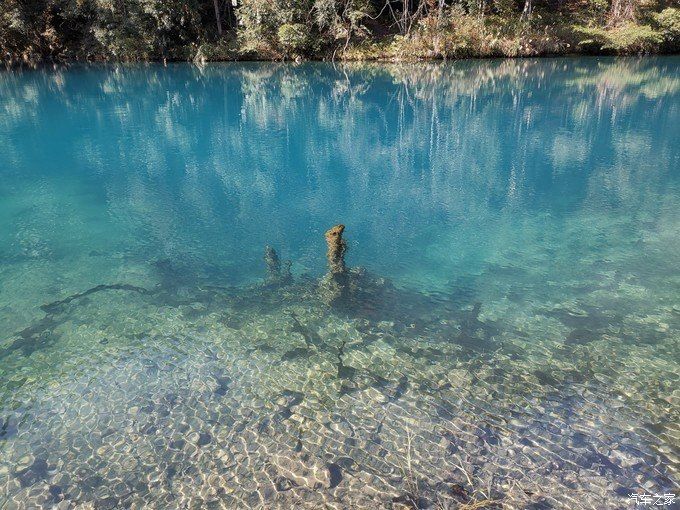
pixel 266 397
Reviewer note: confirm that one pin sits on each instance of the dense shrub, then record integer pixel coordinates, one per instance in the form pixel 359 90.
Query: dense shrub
pixel 450 34
pixel 293 38
pixel 668 21
pixel 275 29
pixel 626 39
pixel 13 39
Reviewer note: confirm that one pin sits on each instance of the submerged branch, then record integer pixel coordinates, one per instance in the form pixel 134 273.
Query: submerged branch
pixel 55 305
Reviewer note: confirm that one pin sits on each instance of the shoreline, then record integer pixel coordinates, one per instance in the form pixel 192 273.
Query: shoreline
pixel 298 61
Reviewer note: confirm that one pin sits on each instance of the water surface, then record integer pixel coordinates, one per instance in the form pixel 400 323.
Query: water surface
pixel 513 336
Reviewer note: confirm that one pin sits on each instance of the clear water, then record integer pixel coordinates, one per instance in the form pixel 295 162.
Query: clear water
pixel 513 340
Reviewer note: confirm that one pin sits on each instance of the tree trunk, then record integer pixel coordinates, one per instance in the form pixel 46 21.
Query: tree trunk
pixel 228 13
pixel 621 10
pixel 217 17
pixel 528 7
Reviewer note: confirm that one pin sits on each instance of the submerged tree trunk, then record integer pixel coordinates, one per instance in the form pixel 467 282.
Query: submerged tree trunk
pixel 336 249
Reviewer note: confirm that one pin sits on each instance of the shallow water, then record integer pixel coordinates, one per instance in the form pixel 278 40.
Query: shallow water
pixel 513 336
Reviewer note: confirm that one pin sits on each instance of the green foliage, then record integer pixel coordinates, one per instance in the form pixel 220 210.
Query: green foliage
pixel 668 21
pixel 100 29
pixel 276 28
pixel 31 30
pixel 293 37
pixel 259 21
pixel 453 34
pixel 12 29
pixel 626 39
pixel 221 50
pixel 143 29
pixel 592 12
pixel 340 19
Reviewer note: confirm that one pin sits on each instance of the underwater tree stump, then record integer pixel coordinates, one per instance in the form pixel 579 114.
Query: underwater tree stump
pixel 277 272
pixel 334 286
pixel 271 259
pixel 337 247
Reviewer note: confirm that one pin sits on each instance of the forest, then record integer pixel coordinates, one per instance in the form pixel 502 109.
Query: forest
pixel 33 31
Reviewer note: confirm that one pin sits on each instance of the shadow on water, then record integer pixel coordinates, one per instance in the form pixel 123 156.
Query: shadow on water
pixel 41 335
pixel 371 300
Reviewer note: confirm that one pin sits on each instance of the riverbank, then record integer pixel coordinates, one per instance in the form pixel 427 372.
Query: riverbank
pixel 139 33
pixel 475 37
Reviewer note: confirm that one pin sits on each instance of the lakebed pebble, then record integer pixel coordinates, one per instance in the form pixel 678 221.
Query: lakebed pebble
pixel 299 405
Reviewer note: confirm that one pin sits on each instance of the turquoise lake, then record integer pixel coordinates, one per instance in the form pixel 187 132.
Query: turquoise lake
pixel 509 332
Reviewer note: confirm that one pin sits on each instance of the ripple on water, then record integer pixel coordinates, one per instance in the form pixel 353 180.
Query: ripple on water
pixel 303 405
